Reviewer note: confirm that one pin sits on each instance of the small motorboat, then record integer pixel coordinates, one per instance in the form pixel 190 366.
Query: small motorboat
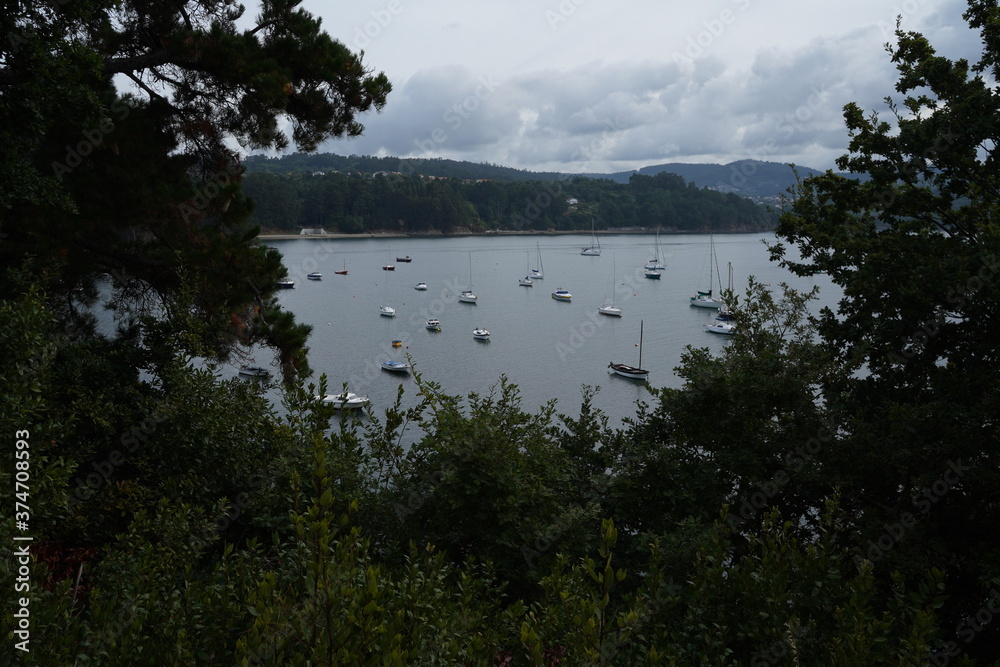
pixel 387 311
pixel 481 334
pixel 396 366
pixel 346 401
pixel 397 343
pixel 388 267
pixel 724 324
pixel 254 372
pixel 434 324
pixel 315 275
pixel 561 295
pixel 420 286
pixel 287 283
pixel 404 259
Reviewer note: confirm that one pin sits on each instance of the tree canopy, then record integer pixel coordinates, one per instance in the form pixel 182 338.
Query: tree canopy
pixel 122 123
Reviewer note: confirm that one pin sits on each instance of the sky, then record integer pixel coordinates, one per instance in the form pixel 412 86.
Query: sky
pixel 575 86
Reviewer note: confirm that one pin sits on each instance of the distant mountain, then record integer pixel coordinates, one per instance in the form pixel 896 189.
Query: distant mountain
pixel 758 180
pixel 748 178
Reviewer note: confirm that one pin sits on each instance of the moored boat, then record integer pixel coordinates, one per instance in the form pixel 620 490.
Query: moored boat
pixel 631 372
pixel 346 400
pixel 254 371
pixel 396 366
pixel 562 295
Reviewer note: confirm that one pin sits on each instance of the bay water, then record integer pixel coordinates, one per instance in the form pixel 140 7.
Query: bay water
pixel 549 349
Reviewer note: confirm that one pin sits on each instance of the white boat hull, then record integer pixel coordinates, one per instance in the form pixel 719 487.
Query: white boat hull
pixel 706 302
pixel 349 401
pixel 613 311
pixel 721 328
pixel 562 295
pixel 395 366
pixel 627 371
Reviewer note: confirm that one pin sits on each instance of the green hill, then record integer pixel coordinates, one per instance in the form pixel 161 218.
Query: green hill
pixel 761 181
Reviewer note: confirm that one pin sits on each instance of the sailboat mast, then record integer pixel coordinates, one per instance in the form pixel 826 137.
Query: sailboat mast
pixel 711 261
pixel 640 343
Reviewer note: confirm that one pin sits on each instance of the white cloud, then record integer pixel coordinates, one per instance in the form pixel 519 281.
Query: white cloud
pixel 609 88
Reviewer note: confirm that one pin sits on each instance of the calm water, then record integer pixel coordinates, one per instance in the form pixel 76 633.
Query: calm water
pixel 550 349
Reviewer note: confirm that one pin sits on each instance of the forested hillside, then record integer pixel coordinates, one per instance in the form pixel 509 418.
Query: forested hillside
pixel 419 204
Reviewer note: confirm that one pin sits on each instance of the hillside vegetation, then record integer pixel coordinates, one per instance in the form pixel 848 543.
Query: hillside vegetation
pixel 420 204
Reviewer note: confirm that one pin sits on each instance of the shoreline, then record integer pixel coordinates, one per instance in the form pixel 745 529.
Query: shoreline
pixel 403 235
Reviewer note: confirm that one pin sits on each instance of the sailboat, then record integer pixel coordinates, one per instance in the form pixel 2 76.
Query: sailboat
pixel 343 272
pixel 526 280
pixel 705 299
pixel 539 273
pixel 610 308
pixel 594 249
pixel 631 372
pixel 386 310
pixel 725 323
pixel 467 296
pixel 655 264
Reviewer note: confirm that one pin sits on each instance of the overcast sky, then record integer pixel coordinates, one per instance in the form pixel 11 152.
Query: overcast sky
pixel 598 86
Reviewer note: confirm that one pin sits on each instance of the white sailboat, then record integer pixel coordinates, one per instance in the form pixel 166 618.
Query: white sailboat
pixel 594 249
pixel 706 299
pixel 385 310
pixel 725 323
pixel 539 273
pixel 655 264
pixel 610 308
pixel 631 372
pixel 467 296
pixel 526 280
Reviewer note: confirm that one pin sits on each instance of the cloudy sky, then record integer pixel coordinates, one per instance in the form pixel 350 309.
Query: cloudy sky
pixel 597 86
